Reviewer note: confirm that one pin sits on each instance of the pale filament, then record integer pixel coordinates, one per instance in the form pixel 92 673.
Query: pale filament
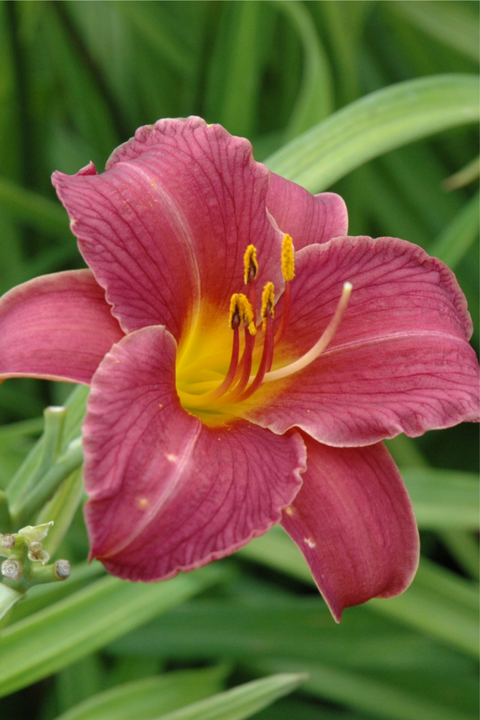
pixel 321 344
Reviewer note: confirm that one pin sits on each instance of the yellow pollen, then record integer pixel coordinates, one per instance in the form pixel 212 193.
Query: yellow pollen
pixel 268 298
pixel 250 264
pixel 288 258
pixel 241 308
pixel 234 314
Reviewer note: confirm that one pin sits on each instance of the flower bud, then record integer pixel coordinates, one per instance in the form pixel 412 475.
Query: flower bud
pixel 63 569
pixel 8 541
pixel 11 569
pixel 36 553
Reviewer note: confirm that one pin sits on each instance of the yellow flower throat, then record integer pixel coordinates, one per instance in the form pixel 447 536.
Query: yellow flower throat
pixel 213 383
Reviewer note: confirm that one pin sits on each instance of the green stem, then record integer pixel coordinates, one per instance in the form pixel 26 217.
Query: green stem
pixel 39 463
pixel 5 519
pixel 52 441
pixel 464 547
pixel 23 510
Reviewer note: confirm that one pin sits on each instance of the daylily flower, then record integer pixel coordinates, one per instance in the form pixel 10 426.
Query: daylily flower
pixel 237 379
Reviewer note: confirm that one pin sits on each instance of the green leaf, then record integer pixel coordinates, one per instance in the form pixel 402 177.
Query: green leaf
pixel 457 238
pixel 75 404
pixel 379 122
pixel 153 24
pixel 314 100
pixel 288 627
pixel 240 702
pixel 234 82
pixel 443 499
pixel 375 695
pixel 34 210
pixel 8 598
pixel 463 546
pixel 452 23
pixel 148 698
pixel 438 602
pixel 72 628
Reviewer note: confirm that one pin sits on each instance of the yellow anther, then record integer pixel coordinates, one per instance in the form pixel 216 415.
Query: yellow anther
pixel 248 315
pixel 288 258
pixel 268 301
pixel 241 309
pixel 235 313
pixel 250 264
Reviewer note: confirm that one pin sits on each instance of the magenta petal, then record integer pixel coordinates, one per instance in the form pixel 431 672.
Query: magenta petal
pixel 400 360
pixel 169 221
pixel 56 326
pixel 353 521
pixel 166 492
pixel 307 218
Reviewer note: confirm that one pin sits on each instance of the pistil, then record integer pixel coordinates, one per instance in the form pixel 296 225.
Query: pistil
pixel 319 346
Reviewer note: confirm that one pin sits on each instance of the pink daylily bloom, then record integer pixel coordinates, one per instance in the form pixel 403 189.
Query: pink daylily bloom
pixel 238 379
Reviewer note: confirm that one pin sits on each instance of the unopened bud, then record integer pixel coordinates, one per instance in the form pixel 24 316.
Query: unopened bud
pixel 36 553
pixel 11 569
pixel 63 569
pixel 8 541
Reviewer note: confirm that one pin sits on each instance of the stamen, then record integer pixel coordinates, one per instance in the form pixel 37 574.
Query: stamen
pixel 250 264
pixel 288 258
pixel 247 314
pixel 268 301
pixel 238 307
pixel 235 313
pixel 245 364
pixel 319 346
pixel 267 355
pixel 288 270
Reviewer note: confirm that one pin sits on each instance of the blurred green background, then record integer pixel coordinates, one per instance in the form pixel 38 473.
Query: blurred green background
pixel 76 80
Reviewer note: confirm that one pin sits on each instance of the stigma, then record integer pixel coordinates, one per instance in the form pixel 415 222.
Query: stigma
pixel 254 346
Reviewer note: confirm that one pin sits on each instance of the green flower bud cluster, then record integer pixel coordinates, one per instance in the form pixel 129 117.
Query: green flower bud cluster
pixel 26 560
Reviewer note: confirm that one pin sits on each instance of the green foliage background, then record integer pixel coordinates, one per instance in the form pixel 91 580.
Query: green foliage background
pixel 76 80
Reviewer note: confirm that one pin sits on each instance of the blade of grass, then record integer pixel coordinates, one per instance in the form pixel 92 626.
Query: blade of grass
pixel 235 69
pixel 455 241
pixel 34 210
pixel 379 122
pixel 438 602
pixel 314 100
pixel 148 698
pixel 452 24
pixel 443 499
pixel 373 695
pixel 239 702
pixel 464 548
pixel 74 627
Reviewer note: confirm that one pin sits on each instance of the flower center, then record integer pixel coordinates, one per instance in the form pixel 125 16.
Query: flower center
pixel 210 385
